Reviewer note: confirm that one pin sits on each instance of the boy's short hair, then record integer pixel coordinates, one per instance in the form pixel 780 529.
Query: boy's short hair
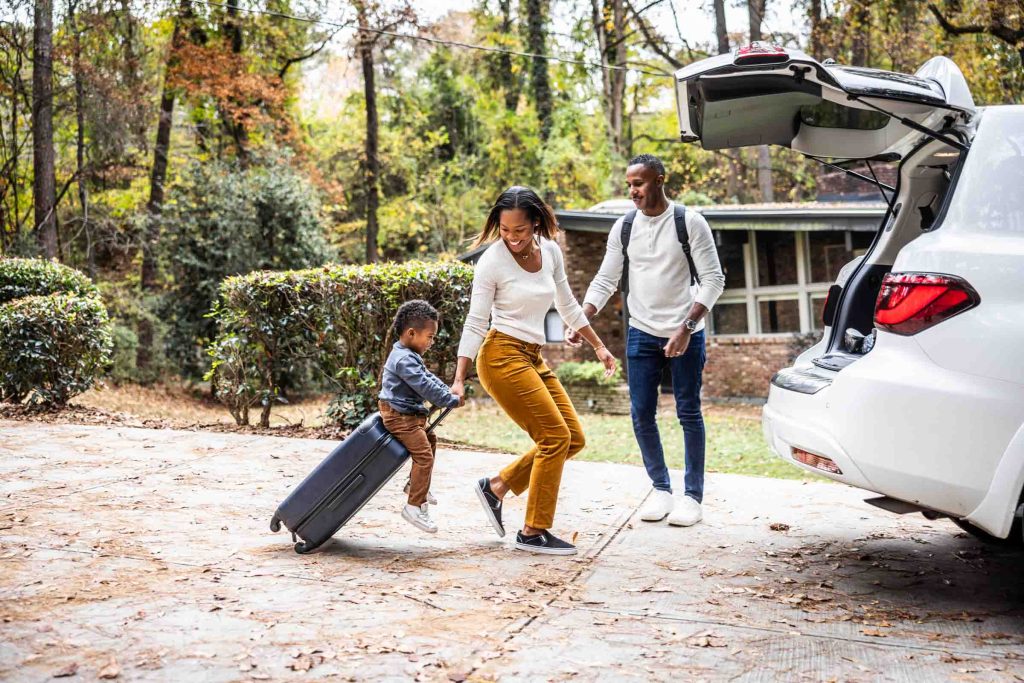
pixel 413 314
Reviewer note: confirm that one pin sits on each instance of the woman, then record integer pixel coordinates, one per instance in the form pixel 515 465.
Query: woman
pixel 515 282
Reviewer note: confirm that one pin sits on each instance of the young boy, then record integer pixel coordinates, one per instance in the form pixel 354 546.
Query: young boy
pixel 405 385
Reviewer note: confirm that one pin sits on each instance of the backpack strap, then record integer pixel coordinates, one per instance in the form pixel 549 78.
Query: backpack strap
pixel 683 235
pixel 627 229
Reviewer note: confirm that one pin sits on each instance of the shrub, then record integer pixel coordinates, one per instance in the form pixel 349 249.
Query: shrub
pixel 21 277
pixel 52 347
pixel 336 318
pixel 225 220
pixel 129 311
pixel 590 373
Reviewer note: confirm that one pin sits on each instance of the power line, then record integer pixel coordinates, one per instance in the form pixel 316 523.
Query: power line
pixel 438 41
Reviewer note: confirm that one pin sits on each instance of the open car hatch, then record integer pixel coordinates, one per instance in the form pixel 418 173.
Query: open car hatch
pixel 764 94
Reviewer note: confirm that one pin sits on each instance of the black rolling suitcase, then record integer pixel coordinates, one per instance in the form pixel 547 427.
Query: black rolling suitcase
pixel 342 484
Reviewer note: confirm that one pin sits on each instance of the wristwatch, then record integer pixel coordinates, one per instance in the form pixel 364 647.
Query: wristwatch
pixel 690 324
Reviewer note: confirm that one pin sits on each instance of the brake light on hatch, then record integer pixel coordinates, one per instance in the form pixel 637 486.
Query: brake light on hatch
pixel 911 302
pixel 760 52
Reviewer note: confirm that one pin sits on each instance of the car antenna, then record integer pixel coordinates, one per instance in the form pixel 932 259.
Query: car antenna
pixel 882 187
pixel 934 134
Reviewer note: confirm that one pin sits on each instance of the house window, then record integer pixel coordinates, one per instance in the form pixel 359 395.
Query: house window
pixel 779 315
pixel 730 254
pixel 729 317
pixel 828 253
pixel 817 310
pixel 860 242
pixel 554 328
pixel 776 258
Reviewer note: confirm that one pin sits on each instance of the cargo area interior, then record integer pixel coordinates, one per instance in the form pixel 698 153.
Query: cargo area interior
pixel 926 176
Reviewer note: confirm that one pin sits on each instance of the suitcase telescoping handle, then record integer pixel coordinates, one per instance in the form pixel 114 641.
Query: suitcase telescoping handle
pixel 437 420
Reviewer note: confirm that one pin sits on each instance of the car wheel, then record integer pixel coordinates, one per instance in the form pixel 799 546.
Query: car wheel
pixel 1014 540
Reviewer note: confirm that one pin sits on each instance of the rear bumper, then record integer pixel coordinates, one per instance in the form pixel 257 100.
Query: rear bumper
pixel 795 420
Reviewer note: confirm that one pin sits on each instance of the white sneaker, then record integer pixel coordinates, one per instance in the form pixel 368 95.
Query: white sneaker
pixel 430 496
pixel 687 512
pixel 658 505
pixel 419 517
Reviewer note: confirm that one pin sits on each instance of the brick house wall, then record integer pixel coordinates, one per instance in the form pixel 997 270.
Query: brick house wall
pixel 742 367
pixel 737 367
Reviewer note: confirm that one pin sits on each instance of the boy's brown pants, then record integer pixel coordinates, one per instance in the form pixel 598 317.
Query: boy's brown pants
pixel 411 431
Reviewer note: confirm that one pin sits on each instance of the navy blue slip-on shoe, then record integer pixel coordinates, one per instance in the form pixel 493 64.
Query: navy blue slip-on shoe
pixel 491 503
pixel 544 543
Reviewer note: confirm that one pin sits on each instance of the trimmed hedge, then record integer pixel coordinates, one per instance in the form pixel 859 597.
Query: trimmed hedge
pixel 21 277
pixel 338 318
pixel 52 347
pixel 589 373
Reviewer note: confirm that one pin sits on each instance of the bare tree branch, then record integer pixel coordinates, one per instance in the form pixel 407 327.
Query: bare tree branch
pixel 301 58
pixel 653 41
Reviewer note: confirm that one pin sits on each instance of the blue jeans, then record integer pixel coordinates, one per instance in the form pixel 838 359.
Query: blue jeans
pixel 646 359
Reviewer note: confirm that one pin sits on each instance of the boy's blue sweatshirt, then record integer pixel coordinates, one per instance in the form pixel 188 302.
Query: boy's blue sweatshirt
pixel 406 383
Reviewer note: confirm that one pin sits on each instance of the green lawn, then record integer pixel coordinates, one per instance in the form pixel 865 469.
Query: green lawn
pixel 735 443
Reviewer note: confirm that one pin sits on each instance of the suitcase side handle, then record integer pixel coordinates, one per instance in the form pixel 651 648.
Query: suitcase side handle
pixel 437 420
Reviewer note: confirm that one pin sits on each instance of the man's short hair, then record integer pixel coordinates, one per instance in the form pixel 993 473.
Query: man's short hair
pixel 414 314
pixel 649 161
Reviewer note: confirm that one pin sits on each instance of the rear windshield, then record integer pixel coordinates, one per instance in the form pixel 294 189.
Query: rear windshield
pixel 989 195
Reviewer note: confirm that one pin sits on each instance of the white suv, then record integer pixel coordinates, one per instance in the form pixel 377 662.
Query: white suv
pixel 916 390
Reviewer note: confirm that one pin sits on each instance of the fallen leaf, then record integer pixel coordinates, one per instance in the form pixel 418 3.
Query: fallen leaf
pixel 874 633
pixel 111 670
pixel 706 640
pixel 69 670
pixel 778 526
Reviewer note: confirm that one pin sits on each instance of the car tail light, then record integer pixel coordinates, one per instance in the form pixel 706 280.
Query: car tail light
pixel 816 461
pixel 760 52
pixel 828 311
pixel 910 302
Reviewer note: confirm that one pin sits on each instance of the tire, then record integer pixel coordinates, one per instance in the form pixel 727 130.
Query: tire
pixel 1014 540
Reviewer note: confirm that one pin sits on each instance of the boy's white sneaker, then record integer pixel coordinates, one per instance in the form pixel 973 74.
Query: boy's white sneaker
pixel 686 513
pixel 658 505
pixel 430 496
pixel 419 517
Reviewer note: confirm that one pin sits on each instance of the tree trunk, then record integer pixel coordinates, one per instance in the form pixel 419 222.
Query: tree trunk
pixel 609 20
pixel 83 191
pixel 44 182
pixel 157 178
pixel 235 129
pixel 539 79
pixel 755 12
pixel 372 168
pixel 860 26
pixel 814 41
pixel 507 77
pixel 721 31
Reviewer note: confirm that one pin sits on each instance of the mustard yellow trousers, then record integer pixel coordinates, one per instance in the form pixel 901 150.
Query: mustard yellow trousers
pixel 516 377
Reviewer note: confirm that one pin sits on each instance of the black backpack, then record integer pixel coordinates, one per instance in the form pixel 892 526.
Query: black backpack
pixel 681 234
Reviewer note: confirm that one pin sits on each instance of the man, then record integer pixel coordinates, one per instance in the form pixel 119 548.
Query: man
pixel 668 293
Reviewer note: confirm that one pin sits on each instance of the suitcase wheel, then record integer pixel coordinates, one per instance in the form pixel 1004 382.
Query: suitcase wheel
pixel 275 524
pixel 302 548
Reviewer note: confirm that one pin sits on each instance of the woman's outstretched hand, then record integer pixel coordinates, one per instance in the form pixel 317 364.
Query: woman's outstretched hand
pixel 459 389
pixel 606 358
